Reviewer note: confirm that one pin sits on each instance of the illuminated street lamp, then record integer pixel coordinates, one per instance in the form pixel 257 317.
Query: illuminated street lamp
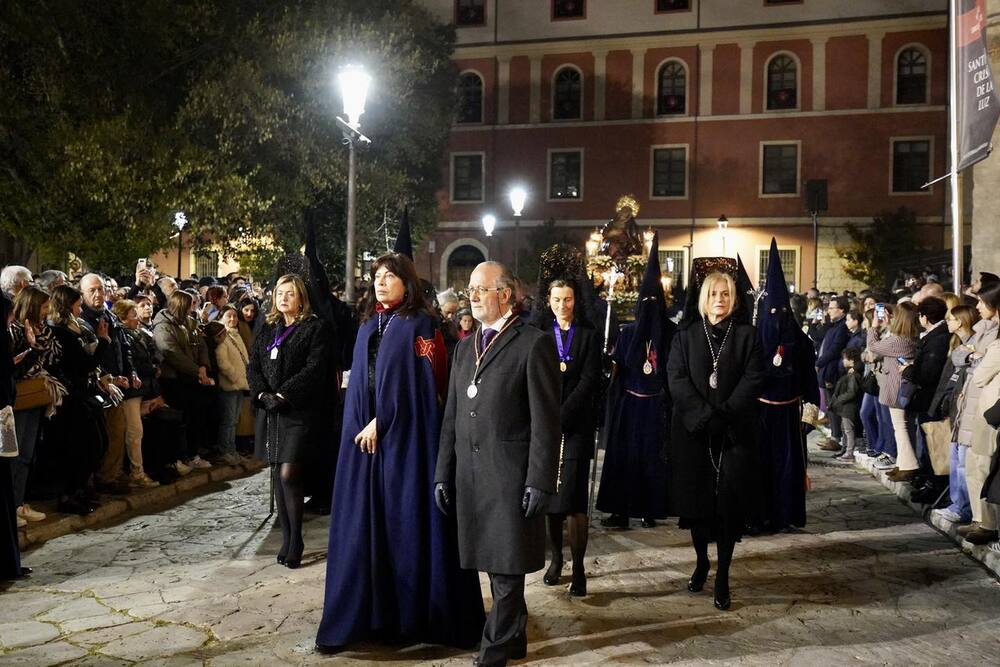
pixel 489 223
pixel 354 83
pixel 518 195
pixel 723 226
pixel 180 222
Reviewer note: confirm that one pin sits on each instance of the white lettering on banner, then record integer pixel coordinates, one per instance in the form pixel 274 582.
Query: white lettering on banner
pixel 979 68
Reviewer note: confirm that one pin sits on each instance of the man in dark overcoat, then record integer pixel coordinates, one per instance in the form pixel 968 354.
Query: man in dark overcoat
pixel 499 454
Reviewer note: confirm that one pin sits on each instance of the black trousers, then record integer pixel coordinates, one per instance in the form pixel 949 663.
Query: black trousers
pixel 504 633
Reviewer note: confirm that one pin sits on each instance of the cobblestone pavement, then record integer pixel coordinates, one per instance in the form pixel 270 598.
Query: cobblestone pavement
pixel 867 582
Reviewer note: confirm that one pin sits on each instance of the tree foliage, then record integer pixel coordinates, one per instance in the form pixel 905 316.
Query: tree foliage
pixel 874 249
pixel 118 114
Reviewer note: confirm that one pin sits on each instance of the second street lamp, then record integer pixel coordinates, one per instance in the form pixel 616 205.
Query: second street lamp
pixel 489 224
pixel 180 222
pixel 354 82
pixel 723 226
pixel 518 196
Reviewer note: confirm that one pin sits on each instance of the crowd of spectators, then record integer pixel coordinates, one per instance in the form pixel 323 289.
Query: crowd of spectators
pixel 911 379
pixel 124 386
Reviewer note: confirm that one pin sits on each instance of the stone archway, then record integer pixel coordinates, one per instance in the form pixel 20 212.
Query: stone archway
pixel 458 260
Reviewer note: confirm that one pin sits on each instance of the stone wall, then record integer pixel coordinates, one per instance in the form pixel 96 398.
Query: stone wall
pixel 986 175
pixel 831 276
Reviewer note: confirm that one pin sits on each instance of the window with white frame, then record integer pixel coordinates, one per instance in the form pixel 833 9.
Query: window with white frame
pixel 671 91
pixel 470 98
pixel 569 9
pixel 789 258
pixel 565 174
pixel 669 171
pixel 779 169
pixel 567 94
pixel 782 83
pixel 911 76
pixel 467 177
pixel 470 12
pixel 911 164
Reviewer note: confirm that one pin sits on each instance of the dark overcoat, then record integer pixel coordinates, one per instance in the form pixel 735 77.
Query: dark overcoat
pixel 580 384
pixel 301 373
pixel 693 479
pixel 495 444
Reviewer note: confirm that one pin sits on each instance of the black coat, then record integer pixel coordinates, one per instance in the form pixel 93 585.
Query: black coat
pixel 580 385
pixel 927 366
pixel 734 402
pixel 301 373
pixel 494 445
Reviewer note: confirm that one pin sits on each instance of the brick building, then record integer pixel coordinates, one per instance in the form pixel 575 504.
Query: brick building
pixel 699 108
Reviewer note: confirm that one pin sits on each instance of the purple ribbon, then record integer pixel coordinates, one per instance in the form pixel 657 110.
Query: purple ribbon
pixel 278 340
pixel 564 352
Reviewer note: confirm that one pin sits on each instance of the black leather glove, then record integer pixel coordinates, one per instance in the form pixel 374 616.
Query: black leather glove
pixel 442 497
pixel 992 415
pixel 532 501
pixel 271 402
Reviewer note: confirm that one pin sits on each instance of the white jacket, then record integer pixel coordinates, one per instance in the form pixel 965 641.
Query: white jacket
pixel 231 357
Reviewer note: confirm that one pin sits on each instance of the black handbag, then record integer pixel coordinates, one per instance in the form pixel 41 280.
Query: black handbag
pixel 869 383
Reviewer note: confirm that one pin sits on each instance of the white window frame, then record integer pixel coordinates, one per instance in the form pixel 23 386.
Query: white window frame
pixel 686 268
pixel 798 82
pixel 548 173
pixel 687 85
pixel 652 172
pixel 552 93
pixel 798 263
pixel 451 177
pixel 930 165
pixel 895 75
pixel 798 169
pixel 482 98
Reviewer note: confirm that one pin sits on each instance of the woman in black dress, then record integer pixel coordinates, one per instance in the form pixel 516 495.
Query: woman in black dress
pixel 288 371
pixel 10 555
pixel 714 372
pixel 578 345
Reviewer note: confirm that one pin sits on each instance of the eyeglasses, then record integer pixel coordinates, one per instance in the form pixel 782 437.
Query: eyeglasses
pixel 480 290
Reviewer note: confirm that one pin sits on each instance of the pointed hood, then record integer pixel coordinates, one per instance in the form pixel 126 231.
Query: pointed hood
pixel 404 244
pixel 651 324
pixel 778 333
pixel 744 294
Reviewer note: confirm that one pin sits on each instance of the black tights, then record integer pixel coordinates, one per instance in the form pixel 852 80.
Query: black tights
pixel 578 534
pixel 725 542
pixel 289 497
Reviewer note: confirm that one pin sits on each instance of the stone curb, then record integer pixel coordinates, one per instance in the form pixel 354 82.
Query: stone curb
pixel 990 559
pixel 139 500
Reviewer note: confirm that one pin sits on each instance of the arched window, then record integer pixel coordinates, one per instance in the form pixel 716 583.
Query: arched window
pixel 911 77
pixel 461 263
pixel 782 83
pixel 671 88
pixel 470 98
pixel 567 95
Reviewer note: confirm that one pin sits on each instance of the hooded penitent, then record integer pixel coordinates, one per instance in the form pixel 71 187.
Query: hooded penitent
pixel 634 477
pixel 404 243
pixel 788 360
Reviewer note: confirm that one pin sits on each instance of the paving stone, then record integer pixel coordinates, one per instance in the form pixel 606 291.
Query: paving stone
pixel 100 636
pixel 55 653
pixel 160 641
pixel 26 633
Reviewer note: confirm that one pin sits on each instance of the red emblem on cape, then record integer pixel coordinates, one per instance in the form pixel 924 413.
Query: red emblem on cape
pixel 652 357
pixel 425 348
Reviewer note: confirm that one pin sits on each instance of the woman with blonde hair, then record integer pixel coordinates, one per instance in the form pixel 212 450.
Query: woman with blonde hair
pixel 289 364
pixel 714 372
pixel 897 350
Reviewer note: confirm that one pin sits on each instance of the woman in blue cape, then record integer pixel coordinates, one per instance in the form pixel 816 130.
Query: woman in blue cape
pixel 392 566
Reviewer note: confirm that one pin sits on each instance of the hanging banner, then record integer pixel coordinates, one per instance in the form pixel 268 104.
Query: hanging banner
pixel 978 105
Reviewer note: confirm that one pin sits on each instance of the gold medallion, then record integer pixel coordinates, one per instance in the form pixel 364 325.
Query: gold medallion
pixel 562 366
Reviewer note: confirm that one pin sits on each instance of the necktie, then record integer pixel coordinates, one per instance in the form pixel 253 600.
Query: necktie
pixel 488 335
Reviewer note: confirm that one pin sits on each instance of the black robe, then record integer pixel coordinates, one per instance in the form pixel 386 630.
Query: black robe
pixel 10 556
pixel 694 493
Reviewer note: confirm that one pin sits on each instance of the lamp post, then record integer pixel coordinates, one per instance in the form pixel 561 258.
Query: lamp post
pixel 354 82
pixel 180 222
pixel 518 196
pixel 723 225
pixel 489 224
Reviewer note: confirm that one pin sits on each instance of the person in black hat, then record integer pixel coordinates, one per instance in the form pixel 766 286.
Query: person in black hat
pixel 634 476
pixel 714 373
pixel 788 357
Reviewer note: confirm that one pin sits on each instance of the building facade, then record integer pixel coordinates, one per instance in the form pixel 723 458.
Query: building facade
pixel 699 109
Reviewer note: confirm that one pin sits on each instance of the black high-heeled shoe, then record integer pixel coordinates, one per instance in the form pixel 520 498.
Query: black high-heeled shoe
pixel 294 558
pixel 723 600
pixel 698 579
pixel 578 588
pixel 553 574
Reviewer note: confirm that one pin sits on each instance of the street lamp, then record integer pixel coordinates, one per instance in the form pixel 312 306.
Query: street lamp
pixel 354 82
pixel 518 196
pixel 489 224
pixel 723 226
pixel 180 222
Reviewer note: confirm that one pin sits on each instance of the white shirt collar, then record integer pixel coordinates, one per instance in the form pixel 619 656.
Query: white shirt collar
pixel 499 324
pixel 933 327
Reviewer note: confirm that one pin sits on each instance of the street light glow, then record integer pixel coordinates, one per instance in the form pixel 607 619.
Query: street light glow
pixel 723 222
pixel 518 196
pixel 489 223
pixel 354 82
pixel 180 220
